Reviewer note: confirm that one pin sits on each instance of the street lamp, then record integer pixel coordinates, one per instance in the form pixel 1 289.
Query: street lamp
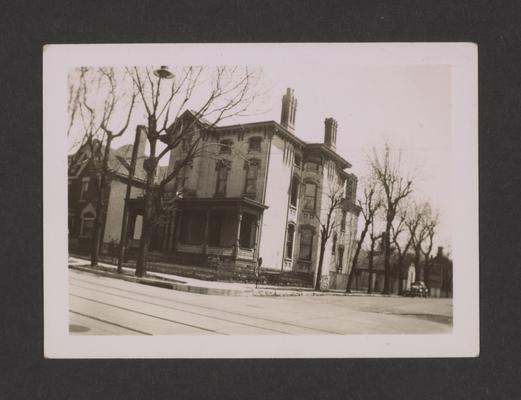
pixel 163 73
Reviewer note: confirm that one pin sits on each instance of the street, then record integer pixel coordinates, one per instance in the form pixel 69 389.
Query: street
pixel 105 306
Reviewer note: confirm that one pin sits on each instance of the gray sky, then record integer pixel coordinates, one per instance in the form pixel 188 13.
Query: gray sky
pixel 407 106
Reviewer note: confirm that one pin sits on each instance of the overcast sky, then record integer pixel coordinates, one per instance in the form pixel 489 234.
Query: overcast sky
pixel 407 106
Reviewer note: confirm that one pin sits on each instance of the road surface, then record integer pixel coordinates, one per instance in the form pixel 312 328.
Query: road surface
pixel 105 306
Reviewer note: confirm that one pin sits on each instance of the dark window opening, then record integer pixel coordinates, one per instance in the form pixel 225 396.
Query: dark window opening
pixel 289 241
pixel 310 196
pixel 248 231
pixel 294 191
pixel 306 244
pixel 255 144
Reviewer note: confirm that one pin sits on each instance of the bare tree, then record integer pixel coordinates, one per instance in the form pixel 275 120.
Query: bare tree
pixel 402 247
pixel 431 223
pixel 387 170
pixel 94 95
pixel 329 221
pixel 373 239
pixel 420 223
pixel 370 206
pixel 215 95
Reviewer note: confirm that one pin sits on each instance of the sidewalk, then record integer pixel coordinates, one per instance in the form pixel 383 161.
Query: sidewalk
pixel 185 284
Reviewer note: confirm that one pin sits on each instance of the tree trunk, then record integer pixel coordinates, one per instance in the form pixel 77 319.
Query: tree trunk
pixel 370 267
pixel 387 258
pixel 417 267
pixel 355 258
pixel 320 262
pixel 100 206
pixel 146 233
pixel 400 276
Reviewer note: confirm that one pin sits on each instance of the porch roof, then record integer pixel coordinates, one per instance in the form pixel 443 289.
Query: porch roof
pixel 209 201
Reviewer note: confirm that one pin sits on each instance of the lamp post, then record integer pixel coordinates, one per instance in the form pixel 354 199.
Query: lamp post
pixel 162 73
pixel 150 167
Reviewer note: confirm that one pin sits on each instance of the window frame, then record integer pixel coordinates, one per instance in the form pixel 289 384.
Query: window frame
pixel 85 182
pixel 84 218
pixel 304 231
pixel 290 240
pixel 248 167
pixel 254 139
pixel 222 166
pixel 306 196
pixel 225 146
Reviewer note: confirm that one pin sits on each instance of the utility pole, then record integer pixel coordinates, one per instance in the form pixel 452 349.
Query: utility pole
pixel 124 222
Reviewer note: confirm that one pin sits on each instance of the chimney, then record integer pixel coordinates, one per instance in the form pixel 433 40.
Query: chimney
pixel 289 110
pixel 330 133
pixel 140 141
pixel 440 252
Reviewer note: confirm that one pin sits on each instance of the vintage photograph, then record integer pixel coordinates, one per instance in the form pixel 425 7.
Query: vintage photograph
pixel 229 193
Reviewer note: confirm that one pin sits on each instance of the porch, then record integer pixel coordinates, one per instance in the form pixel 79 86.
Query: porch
pixel 201 231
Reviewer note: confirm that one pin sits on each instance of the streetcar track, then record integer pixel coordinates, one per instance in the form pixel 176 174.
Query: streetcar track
pixel 210 308
pixel 109 323
pixel 148 315
pixel 180 309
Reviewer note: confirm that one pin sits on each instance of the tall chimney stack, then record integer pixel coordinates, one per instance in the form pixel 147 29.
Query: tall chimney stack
pixel 289 110
pixel 330 127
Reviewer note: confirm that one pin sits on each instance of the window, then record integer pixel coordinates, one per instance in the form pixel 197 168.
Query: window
pixel 248 231
pixel 87 225
pixel 298 160
pixel 335 239
pixel 223 168
pixel 306 244
pixel 252 171
pixel 289 241
pixel 226 146
pixel 340 258
pixel 255 144
pixel 294 191
pixel 310 196
pixel 181 177
pixel 186 142
pixel 312 166
pixel 84 188
pixel 343 221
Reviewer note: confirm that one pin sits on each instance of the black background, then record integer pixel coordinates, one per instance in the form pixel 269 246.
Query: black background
pixel 27 26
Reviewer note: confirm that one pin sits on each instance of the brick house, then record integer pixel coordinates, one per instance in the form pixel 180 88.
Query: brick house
pixel 82 193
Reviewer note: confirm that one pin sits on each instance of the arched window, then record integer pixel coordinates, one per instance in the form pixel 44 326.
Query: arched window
pixel 290 237
pixel 294 191
pixel 335 239
pixel 87 225
pixel 306 244
pixel 310 196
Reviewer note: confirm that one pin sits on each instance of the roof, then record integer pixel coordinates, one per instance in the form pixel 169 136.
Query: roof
pixel 118 162
pixel 313 147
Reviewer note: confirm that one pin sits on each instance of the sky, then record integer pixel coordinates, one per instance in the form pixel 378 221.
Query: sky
pixel 407 106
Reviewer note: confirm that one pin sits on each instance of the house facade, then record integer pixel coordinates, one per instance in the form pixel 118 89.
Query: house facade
pixel 260 192
pixel 83 192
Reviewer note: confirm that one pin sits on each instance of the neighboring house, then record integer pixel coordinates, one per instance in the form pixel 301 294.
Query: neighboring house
pixel 82 192
pixel 260 191
pixel 439 280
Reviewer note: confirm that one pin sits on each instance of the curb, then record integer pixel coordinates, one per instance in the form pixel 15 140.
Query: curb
pixel 166 284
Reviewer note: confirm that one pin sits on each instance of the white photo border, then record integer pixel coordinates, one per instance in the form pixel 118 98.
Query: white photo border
pixel 464 339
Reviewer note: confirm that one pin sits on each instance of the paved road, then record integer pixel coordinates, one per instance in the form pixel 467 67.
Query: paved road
pixel 105 306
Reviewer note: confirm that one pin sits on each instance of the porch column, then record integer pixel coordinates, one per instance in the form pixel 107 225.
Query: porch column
pixel 178 222
pixel 256 244
pixel 238 235
pixel 206 230
pixel 170 233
